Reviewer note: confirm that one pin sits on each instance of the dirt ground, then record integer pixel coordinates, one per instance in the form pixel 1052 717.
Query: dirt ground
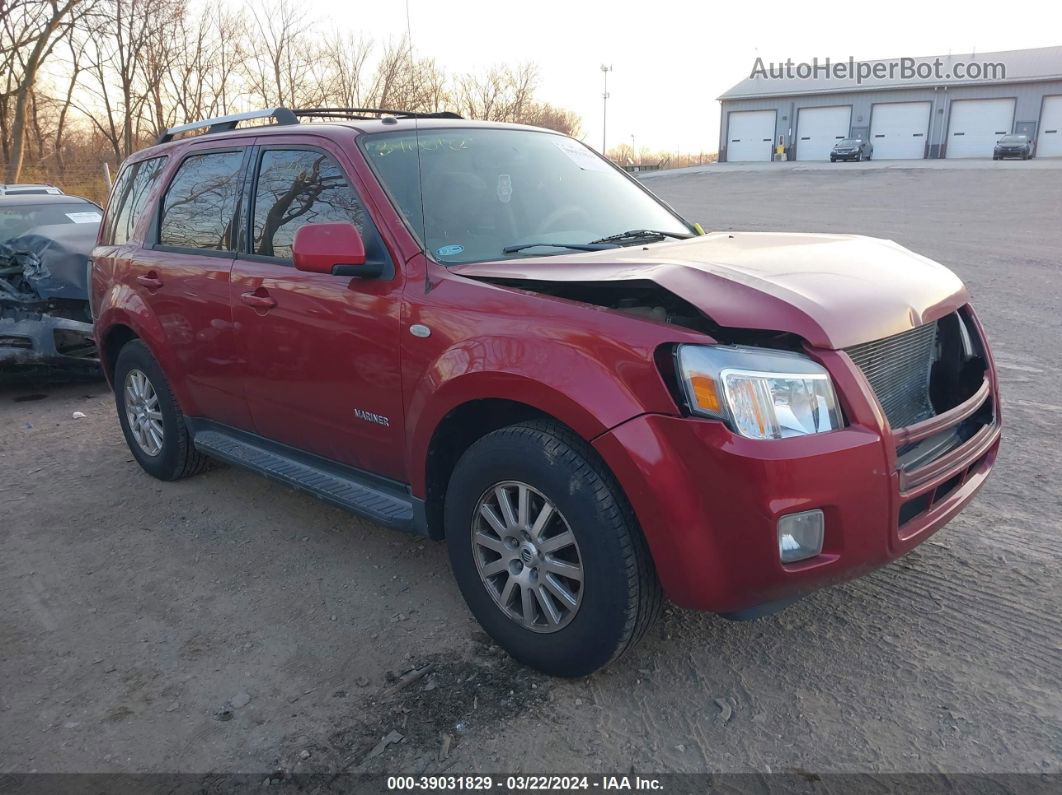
pixel 225 623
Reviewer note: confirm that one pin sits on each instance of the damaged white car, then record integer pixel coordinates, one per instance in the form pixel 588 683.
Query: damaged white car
pixel 45 242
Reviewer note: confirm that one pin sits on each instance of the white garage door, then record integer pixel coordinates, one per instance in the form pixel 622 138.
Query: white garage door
pixel 898 130
pixel 749 135
pixel 818 129
pixel 976 125
pixel 1049 142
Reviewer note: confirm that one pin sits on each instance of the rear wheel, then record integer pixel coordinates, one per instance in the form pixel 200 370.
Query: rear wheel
pixel 546 550
pixel 151 420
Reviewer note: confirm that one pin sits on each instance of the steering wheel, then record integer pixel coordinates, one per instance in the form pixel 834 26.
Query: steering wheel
pixel 572 210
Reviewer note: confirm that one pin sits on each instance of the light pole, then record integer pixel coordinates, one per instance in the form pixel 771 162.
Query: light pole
pixel 604 108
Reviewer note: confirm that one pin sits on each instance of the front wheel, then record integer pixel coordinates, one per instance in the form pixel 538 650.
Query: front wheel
pixel 546 550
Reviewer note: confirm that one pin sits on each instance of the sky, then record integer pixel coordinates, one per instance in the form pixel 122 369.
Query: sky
pixel 671 58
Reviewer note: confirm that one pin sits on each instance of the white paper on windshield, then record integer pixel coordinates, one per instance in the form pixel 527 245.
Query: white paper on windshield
pixel 581 156
pixel 85 218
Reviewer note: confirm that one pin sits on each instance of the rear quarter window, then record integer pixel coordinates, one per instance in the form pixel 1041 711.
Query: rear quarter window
pixel 199 208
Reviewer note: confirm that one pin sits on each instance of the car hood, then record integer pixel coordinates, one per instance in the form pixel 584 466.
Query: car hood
pixel 832 290
pixel 48 262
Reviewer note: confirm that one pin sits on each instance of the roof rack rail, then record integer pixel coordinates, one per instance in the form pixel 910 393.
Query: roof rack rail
pixel 366 114
pixel 226 123
pixel 288 116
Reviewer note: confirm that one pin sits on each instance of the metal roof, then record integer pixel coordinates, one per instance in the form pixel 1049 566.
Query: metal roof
pixel 1043 63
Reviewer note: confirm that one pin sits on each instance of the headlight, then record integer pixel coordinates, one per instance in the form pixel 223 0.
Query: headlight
pixel 760 393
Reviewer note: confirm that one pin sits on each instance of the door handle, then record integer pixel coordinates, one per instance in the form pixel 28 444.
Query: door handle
pixel 258 301
pixel 151 281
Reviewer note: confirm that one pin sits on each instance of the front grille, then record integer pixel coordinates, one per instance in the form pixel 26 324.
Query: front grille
pixel 898 370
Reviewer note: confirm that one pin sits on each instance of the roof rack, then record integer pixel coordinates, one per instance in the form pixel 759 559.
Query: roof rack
pixel 226 123
pixel 284 116
pixel 367 114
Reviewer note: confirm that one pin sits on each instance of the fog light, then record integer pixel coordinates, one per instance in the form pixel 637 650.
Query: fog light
pixel 800 535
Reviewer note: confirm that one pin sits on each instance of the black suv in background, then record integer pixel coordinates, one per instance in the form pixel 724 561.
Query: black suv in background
pixel 1013 146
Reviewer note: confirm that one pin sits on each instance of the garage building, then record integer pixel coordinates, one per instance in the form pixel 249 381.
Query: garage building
pixel 937 115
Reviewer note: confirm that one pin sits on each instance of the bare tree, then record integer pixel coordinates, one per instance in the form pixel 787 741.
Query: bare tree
pixel 504 93
pixel 129 68
pixel 542 114
pixel 345 57
pixel 280 65
pixel 404 83
pixel 30 31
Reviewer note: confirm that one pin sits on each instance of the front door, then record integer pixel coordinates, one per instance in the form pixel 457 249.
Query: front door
pixel 320 352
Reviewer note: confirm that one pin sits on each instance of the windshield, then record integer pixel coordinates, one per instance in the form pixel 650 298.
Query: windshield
pixel 18 219
pixel 1012 139
pixel 485 190
pixel 849 142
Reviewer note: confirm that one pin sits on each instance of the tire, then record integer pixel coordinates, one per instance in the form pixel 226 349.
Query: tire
pixel 618 597
pixel 859 157
pixel 176 457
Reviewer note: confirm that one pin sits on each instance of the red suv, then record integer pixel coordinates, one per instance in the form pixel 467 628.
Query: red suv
pixel 487 334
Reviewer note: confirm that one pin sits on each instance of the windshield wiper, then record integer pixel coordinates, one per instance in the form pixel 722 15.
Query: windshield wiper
pixel 641 234
pixel 597 245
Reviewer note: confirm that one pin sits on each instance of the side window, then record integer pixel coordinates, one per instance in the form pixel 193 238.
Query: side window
pixel 130 196
pixel 297 187
pixel 200 204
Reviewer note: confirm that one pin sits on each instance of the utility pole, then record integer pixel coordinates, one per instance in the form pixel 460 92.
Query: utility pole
pixel 604 108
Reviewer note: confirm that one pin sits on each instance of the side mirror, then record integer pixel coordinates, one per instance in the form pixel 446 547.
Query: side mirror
pixel 332 248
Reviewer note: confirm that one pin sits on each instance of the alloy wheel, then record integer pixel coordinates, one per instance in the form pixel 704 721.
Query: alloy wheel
pixel 143 413
pixel 527 556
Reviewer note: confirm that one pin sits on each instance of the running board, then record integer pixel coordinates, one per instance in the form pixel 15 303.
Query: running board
pixel 342 486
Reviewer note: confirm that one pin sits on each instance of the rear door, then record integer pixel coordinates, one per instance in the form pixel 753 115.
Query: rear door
pixel 182 274
pixel 321 364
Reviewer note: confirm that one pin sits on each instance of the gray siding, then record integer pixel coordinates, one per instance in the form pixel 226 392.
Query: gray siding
pixel 1029 101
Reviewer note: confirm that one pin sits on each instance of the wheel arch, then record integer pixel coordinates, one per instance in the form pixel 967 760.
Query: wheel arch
pixel 459 429
pixel 127 319
pixel 113 340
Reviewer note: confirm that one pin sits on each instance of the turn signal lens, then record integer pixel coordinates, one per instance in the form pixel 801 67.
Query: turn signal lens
pixel 705 393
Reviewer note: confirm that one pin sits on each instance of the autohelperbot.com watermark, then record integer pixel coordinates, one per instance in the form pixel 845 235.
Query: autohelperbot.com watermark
pixel 894 69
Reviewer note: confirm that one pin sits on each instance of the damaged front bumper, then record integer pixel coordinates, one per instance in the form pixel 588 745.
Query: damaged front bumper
pixel 45 318
pixel 38 338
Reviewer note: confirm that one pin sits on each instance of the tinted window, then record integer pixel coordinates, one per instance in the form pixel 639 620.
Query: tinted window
pixel 129 198
pixel 470 193
pixel 200 204
pixel 298 187
pixel 17 219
